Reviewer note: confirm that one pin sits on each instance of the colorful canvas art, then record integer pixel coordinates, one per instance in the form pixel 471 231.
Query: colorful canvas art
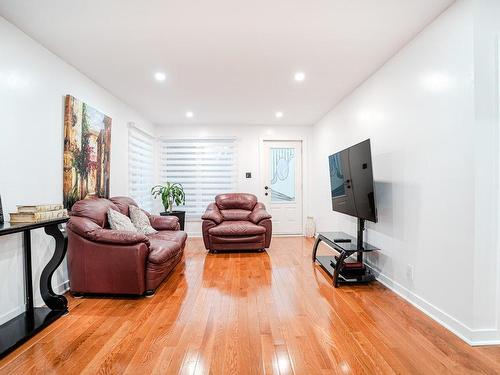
pixel 87 149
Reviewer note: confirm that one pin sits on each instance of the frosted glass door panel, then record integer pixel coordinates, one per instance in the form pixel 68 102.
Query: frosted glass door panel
pixel 282 168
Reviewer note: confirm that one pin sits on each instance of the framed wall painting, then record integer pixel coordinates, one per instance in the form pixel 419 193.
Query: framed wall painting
pixel 87 151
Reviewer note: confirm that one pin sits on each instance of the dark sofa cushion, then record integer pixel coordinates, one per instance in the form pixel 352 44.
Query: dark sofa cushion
pixel 95 209
pixel 242 201
pixel 122 203
pixel 236 228
pixel 168 235
pixel 161 251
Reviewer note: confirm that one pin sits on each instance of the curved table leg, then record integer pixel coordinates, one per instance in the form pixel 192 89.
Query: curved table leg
pixel 315 247
pixel 338 268
pixel 54 301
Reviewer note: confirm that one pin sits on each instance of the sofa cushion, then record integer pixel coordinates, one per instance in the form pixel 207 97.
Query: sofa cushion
pixel 122 203
pixel 169 235
pixel 242 201
pixel 95 209
pixel 236 228
pixel 161 251
pixel 118 221
pixel 140 220
pixel 235 214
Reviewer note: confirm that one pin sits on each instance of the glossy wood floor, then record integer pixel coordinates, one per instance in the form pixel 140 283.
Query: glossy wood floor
pixel 272 313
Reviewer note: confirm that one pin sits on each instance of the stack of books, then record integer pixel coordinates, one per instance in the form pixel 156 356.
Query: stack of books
pixel 38 213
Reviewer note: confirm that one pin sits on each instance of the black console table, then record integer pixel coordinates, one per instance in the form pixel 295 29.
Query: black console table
pixel 19 329
pixel 335 266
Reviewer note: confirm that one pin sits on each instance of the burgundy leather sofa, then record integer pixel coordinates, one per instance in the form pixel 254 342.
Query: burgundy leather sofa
pixel 105 261
pixel 236 222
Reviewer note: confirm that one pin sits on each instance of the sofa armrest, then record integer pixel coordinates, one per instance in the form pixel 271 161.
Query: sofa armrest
pixel 164 222
pixel 118 237
pixel 268 224
pixel 93 232
pixel 96 267
pixel 212 213
pixel 259 213
pixel 82 225
pixel 205 227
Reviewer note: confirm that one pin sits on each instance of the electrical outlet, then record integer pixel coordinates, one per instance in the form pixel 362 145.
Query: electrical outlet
pixel 410 270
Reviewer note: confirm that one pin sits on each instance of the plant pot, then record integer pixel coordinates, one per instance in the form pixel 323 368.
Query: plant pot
pixel 181 215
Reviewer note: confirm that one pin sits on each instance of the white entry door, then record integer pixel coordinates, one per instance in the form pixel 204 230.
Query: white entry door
pixel 282 185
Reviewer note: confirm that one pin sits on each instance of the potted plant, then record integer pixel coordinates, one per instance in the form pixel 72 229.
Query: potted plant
pixel 171 193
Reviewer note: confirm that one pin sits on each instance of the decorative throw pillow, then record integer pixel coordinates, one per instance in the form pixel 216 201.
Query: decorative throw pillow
pixel 140 220
pixel 118 221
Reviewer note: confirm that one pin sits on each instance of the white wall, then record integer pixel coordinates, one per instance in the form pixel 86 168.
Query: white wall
pixel 487 252
pixel 249 138
pixel 33 83
pixel 435 186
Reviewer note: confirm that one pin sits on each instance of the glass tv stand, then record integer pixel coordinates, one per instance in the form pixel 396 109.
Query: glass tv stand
pixel 338 266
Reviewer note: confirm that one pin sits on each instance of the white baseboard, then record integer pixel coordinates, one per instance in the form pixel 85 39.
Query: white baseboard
pixel 11 314
pixel 59 289
pixel 473 337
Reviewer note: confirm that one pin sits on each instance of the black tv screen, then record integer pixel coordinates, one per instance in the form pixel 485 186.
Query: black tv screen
pixel 351 182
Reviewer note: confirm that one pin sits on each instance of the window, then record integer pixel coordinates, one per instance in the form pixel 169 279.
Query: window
pixel 140 167
pixel 204 167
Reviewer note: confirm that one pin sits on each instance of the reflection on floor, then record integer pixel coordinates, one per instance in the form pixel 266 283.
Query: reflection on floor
pixel 250 313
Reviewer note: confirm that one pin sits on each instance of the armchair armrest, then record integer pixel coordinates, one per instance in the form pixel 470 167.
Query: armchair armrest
pixel 93 232
pixel 212 213
pixel 164 222
pixel 259 213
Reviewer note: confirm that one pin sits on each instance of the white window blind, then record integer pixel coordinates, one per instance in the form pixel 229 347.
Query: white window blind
pixel 141 163
pixel 204 167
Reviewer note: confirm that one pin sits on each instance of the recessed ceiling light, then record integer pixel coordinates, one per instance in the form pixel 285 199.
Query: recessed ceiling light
pixel 299 76
pixel 189 114
pixel 278 114
pixel 159 76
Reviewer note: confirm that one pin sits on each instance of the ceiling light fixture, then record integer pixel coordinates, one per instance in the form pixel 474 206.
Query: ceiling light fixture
pixel 299 76
pixel 189 114
pixel 159 76
pixel 278 114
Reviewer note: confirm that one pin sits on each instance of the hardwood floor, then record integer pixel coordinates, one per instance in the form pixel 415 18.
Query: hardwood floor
pixel 272 313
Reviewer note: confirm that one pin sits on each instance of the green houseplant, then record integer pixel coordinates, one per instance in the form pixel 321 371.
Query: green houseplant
pixel 170 193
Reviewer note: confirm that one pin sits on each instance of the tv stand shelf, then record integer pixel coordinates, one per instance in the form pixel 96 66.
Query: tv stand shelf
pixel 335 266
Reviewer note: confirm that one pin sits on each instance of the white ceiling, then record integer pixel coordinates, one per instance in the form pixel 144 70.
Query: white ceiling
pixel 228 61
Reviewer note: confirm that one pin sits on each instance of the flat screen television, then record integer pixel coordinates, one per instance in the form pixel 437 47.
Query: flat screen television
pixel 351 182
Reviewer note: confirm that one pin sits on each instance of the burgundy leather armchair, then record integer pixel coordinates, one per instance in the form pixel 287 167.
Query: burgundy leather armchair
pixel 236 222
pixel 101 260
